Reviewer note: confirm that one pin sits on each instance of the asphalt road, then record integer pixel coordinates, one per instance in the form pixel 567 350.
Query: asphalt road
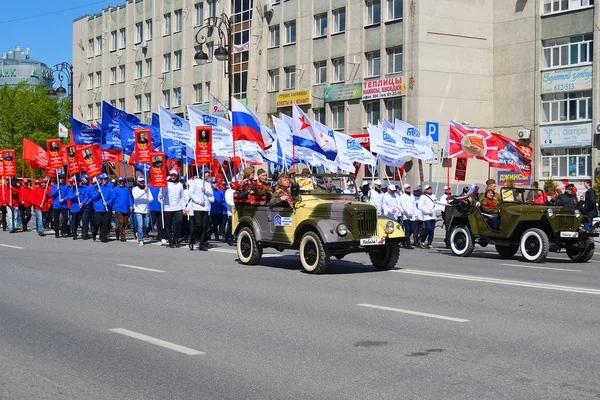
pixel 79 322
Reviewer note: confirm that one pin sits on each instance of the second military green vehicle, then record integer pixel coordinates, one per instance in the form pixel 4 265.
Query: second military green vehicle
pixel 533 229
pixel 324 222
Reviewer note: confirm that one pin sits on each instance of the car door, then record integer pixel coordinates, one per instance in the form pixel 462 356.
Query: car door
pixel 282 224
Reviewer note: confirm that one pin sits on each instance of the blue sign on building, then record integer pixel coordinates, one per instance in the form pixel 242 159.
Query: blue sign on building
pixel 433 130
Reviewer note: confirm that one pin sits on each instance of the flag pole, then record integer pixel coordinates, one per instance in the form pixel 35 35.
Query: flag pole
pixel 58 186
pixel 45 191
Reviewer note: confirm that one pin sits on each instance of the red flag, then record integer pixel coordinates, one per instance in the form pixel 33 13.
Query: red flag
pixel 113 156
pixel 464 142
pixel 513 156
pixel 158 173
pixel 35 155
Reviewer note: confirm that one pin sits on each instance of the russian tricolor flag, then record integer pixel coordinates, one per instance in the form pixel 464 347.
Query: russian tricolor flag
pixel 245 124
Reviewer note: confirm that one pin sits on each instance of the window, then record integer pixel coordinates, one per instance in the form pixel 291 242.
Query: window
pixel 274 80
pixel 573 106
pixel 567 162
pixel 274 36
pixel 121 104
pixel 90 52
pixel 113 103
pixel 339 69
pixel 167 98
pixel 319 115
pixel 273 2
pixel 339 20
pixel 113 75
pixel 320 72
pixel 212 8
pixel 167 62
pixel 373 109
pixel 177 96
pixel 90 81
pixel 148 67
pixel 178 20
pixel 98 110
pixel 320 25
pixel 99 46
pixel 148 102
pixel 138 69
pixel 553 6
pixel 394 109
pixel 568 51
pixel 178 59
pixel 373 12
pixel 373 63
pixel 90 113
pixel 148 29
pixel 337 116
pixel 139 33
pixel 98 79
pixel 394 9
pixel 290 78
pixel 394 55
pixel 199 14
pixel 138 103
pixel 290 32
pixel 121 74
pixel 113 41
pixel 122 38
pixel 198 93
pixel 167 24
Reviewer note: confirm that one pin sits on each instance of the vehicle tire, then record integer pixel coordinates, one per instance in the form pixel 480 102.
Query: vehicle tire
pixel 577 254
pixel 248 250
pixel 535 245
pixel 386 257
pixel 313 257
pixel 461 241
pixel 507 251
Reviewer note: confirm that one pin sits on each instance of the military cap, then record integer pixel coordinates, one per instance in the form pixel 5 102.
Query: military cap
pixel 261 171
pixel 305 171
pixel 293 171
pixel 490 182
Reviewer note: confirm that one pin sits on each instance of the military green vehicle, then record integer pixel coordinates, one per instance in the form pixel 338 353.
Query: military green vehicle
pixel 324 222
pixel 533 229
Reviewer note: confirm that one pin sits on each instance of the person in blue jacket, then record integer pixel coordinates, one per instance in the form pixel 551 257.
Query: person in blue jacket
pixel 77 197
pixel 155 215
pixel 85 191
pixel 59 193
pixel 122 205
pixel 101 200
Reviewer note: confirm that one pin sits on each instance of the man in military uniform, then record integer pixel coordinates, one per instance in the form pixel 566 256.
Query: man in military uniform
pixel 261 187
pixel 282 197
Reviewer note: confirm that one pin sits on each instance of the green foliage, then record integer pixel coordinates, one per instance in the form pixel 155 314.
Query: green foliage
pixel 510 183
pixel 596 187
pixel 548 185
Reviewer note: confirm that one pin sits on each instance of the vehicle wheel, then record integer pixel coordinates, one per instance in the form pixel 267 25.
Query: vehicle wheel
pixel 584 254
pixel 507 251
pixel 461 241
pixel 313 256
pixel 535 245
pixel 386 257
pixel 248 250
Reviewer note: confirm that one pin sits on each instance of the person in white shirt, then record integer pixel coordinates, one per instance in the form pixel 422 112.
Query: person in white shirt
pixel 229 203
pixel 427 206
pixel 201 196
pixel 409 211
pixel 188 216
pixel 391 203
pixel 142 196
pixel 172 197
pixel 445 199
pixel 376 196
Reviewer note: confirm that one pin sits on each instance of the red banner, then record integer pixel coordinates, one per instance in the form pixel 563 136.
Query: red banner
pixel 72 160
pixel 461 169
pixel 513 156
pixel 9 163
pixel 91 160
pixel 115 156
pixel 203 145
pixel 35 155
pixel 55 156
pixel 466 142
pixel 158 174
pixel 143 145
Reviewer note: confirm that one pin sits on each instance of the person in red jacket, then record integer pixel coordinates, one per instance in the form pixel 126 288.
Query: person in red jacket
pixel 4 195
pixel 25 206
pixel 40 204
pixel 12 207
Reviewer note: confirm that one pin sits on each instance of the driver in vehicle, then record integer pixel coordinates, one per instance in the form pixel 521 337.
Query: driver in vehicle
pixel 491 206
pixel 282 197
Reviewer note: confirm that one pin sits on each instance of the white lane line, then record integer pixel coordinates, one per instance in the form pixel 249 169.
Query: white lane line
pixel 572 289
pixel 421 314
pixel 142 268
pixel 12 247
pixel 530 266
pixel 158 342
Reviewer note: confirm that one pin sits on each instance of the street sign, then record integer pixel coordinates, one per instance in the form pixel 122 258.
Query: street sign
pixel 433 130
pixel 436 155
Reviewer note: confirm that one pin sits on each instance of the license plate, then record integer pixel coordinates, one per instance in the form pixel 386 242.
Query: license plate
pixel 372 241
pixel 569 234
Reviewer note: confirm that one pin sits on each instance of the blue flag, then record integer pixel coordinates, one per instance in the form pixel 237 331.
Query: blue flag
pixel 85 134
pixel 111 135
pixel 155 133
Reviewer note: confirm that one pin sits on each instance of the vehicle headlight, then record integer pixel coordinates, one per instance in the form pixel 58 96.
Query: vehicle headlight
pixel 577 213
pixel 550 212
pixel 389 227
pixel 342 230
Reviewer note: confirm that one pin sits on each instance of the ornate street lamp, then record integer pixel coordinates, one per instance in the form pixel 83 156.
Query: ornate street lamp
pixel 63 70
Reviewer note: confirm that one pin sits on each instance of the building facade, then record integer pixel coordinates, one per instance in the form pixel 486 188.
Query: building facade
pixel 17 66
pixel 523 68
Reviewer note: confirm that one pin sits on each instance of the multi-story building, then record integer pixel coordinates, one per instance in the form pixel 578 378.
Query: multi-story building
pixel 17 66
pixel 523 68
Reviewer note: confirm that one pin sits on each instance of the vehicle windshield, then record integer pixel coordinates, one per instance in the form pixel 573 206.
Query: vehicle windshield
pixel 519 195
pixel 326 184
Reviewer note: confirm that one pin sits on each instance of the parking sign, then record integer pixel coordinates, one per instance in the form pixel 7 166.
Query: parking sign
pixel 433 130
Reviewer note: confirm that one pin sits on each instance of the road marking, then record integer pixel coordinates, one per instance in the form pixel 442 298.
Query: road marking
pixel 12 247
pixel 142 268
pixel 529 266
pixel 158 342
pixel 421 314
pixel 502 282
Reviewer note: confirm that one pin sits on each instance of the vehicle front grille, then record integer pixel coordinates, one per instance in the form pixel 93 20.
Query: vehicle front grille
pixel 565 222
pixel 366 222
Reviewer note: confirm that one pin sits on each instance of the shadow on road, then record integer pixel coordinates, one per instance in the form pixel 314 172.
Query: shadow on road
pixel 336 267
pixel 552 257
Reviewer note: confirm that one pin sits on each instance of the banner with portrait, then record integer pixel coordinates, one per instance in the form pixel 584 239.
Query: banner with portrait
pixel 55 156
pixel 9 163
pixel 460 173
pixel 203 145
pixel 158 173
pixel 143 145
pixel 90 157
pixel 72 160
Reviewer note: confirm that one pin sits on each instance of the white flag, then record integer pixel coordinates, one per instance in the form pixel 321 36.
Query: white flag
pixel 350 151
pixel 176 128
pixel 222 140
pixel 63 132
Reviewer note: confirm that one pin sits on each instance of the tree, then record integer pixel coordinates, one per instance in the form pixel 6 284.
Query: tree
pixel 597 186
pixel 549 185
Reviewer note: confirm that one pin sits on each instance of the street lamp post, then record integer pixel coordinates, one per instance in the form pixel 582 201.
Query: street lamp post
pixel 63 70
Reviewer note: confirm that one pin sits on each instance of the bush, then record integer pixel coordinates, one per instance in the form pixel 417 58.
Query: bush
pixel 548 185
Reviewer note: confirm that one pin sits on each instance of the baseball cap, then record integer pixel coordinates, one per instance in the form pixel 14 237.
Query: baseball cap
pixel 121 179
pixel 446 187
pixel 569 186
pixel 377 182
pixel 392 187
pixel 61 176
pixel 427 187
pixel 140 178
pixel 406 186
pixel 103 176
pixel 384 186
pixel 84 176
pixel 212 182
pixel 183 178
pixel 173 171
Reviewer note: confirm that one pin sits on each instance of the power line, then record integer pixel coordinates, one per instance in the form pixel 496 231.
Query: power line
pixel 52 12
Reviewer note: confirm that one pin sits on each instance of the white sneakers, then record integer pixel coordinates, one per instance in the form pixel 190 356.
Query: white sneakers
pixel 164 241
pixel 141 243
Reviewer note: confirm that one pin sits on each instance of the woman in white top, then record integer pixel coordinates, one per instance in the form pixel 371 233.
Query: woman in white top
pixel 142 196
pixel 172 197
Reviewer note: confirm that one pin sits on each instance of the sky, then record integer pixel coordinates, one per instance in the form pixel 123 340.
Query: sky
pixel 45 26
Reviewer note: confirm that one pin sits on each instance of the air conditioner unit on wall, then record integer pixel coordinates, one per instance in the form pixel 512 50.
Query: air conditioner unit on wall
pixel 524 134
